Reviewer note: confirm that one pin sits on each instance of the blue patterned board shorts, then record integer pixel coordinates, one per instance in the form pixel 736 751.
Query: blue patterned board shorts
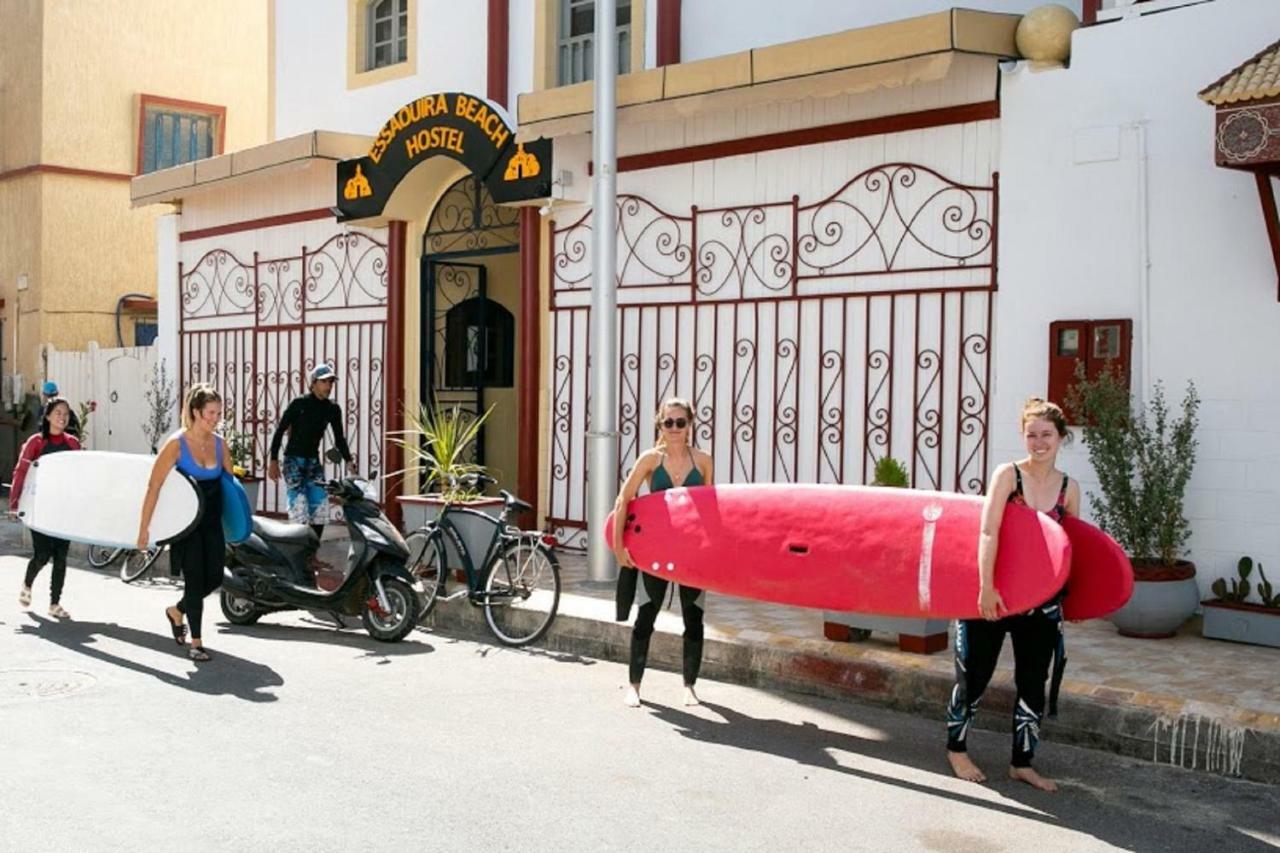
pixel 304 481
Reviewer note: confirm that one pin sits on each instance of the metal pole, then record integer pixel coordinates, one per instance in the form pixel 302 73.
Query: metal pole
pixel 602 431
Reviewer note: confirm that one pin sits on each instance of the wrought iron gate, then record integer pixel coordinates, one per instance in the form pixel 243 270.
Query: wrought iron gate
pixel 255 328
pixel 812 340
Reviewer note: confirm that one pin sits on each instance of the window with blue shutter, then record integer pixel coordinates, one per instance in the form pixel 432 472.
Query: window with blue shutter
pixel 172 136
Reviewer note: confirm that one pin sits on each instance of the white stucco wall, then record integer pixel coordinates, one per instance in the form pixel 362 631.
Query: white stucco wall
pixel 716 27
pixel 520 61
pixel 1070 243
pixel 311 65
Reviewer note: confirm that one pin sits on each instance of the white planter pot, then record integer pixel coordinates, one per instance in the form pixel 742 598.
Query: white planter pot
pixel 476 526
pixel 252 489
pixel 1162 600
pixel 1242 623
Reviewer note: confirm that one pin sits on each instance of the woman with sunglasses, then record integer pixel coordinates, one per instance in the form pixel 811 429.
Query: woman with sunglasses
pixel 671 463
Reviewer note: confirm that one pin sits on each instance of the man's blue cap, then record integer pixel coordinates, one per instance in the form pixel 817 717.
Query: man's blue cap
pixel 321 371
pixel 49 388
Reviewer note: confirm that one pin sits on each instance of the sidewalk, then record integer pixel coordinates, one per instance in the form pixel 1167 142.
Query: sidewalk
pixel 1200 704
pixel 1204 705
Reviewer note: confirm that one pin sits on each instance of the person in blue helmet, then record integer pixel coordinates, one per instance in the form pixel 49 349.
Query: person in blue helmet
pixel 305 420
pixel 48 391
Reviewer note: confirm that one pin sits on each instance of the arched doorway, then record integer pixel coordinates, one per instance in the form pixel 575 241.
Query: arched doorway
pixel 470 304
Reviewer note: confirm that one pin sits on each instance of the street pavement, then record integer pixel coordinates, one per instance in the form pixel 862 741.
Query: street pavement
pixel 299 737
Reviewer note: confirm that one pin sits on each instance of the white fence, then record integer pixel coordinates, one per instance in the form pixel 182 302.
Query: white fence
pixel 115 381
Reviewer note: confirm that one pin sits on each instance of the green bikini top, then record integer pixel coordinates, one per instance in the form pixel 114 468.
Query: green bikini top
pixel 660 481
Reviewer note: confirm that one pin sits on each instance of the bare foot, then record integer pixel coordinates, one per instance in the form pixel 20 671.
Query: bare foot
pixel 964 768
pixel 174 614
pixel 632 697
pixel 1032 778
pixel 690 698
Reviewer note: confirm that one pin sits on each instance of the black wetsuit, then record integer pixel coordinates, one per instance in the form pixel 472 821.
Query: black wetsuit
pixel 305 419
pixel 655 589
pixel 201 552
pixel 1037 637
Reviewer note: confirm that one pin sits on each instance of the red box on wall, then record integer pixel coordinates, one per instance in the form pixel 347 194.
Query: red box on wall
pixel 1095 343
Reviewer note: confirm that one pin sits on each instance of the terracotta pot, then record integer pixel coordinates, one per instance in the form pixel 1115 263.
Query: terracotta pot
pixel 1164 597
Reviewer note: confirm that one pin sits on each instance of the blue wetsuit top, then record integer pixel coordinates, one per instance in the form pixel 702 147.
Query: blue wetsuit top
pixel 188 465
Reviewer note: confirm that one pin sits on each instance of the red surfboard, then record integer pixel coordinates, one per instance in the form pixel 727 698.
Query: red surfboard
pixel 1101 575
pixel 896 552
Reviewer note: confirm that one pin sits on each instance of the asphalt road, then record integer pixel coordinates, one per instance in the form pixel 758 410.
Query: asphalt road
pixel 298 737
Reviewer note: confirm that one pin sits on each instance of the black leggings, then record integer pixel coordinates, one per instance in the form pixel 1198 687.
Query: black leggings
pixel 201 554
pixel 48 548
pixel 1036 636
pixel 691 659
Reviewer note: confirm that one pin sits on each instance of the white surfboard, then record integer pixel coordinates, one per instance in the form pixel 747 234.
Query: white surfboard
pixel 95 498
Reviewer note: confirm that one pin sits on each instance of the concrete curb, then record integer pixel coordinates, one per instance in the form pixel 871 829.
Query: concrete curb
pixel 1207 738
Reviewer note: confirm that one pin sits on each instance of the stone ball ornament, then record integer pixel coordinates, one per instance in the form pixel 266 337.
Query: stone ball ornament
pixel 1044 33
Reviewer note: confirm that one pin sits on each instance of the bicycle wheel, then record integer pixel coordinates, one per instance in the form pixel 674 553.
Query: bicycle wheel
pixel 136 563
pixel 522 592
pixel 427 565
pixel 101 556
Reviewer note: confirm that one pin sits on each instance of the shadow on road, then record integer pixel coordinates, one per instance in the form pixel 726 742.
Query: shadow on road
pixel 329 634
pixel 1170 814
pixel 225 675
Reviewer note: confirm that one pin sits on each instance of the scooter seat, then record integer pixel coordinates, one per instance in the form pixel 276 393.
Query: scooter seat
pixel 284 532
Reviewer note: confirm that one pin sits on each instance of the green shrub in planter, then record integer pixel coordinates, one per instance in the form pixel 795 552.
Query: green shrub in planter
pixel 1143 457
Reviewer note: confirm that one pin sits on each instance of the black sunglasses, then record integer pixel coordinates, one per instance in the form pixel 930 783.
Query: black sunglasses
pixel 678 423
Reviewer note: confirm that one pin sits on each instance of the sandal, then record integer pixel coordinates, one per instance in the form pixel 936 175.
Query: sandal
pixel 24 597
pixel 197 653
pixel 57 612
pixel 179 629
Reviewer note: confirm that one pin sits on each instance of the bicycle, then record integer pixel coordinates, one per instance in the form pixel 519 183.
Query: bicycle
pixel 135 562
pixel 519 589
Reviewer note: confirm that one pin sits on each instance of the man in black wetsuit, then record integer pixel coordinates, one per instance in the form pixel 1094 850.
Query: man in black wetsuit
pixel 305 420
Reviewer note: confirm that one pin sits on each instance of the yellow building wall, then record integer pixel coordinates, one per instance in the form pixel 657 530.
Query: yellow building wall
pixel 75 72
pixel 214 53
pixel 21 25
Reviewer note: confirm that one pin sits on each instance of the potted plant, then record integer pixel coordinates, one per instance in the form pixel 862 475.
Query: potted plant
pixel 436 444
pixel 239 445
pixel 1229 616
pixel 1143 459
pixel 922 636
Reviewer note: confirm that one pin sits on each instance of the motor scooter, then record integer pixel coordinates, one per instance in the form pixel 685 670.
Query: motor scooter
pixel 271 570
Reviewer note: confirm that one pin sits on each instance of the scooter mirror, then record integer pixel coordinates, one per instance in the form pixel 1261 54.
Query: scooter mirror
pixel 333 455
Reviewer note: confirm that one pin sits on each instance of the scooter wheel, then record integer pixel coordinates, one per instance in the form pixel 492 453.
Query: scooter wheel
pixel 238 609
pixel 395 624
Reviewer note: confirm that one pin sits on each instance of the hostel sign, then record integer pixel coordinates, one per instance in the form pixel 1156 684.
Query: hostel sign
pixel 450 124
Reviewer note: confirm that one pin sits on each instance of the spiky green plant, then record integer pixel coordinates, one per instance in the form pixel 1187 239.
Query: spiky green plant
pixel 435 443
pixel 1268 596
pixel 891 472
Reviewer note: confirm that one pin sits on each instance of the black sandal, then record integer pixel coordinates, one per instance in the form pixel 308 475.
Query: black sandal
pixel 197 653
pixel 179 629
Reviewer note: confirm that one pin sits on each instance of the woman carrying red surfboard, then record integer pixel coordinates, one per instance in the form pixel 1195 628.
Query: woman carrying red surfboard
pixel 54 436
pixel 1036 482
pixel 671 463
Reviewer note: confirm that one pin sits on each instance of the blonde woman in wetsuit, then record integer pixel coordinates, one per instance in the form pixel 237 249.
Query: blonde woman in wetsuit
pixel 671 463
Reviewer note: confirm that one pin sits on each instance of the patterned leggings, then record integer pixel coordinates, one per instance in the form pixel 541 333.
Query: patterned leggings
pixel 1036 635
